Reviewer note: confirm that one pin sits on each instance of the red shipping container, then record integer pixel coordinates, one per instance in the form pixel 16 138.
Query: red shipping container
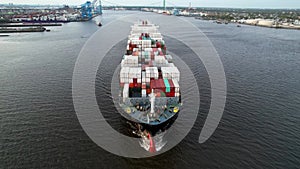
pixel 148 91
pixel 159 93
pixel 151 83
pixel 138 85
pixel 162 85
pixel 132 85
pixel 172 86
pixel 158 45
pixel 143 86
pixel 134 80
pixel 170 94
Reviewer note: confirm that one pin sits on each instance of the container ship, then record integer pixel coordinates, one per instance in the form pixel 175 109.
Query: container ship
pixel 149 81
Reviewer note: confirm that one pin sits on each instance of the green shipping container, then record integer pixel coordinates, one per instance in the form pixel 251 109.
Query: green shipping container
pixel 168 88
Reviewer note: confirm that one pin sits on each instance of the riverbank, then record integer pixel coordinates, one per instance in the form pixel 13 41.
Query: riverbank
pixel 269 23
pixel 257 22
pixel 275 26
pixel 20 30
pixel 29 24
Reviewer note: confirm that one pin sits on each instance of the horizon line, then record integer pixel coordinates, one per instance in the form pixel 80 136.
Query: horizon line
pixel 15 4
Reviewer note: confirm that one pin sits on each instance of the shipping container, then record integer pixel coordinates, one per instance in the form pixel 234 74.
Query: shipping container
pixel 125 91
pixel 146 68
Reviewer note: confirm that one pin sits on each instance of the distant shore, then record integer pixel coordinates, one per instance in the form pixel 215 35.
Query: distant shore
pixel 276 26
pixel 29 24
pixel 20 30
pixel 269 24
pixel 258 22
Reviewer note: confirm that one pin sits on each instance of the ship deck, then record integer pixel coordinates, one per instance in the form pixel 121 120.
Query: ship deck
pixel 145 116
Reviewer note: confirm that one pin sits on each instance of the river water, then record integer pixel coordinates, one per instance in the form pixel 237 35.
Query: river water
pixel 259 129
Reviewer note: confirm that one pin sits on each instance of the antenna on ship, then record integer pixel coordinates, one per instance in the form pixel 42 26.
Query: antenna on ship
pixel 152 101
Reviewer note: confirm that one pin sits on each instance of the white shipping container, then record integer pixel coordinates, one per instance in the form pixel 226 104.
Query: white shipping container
pixel 125 90
pixel 156 35
pixel 171 65
pixel 170 73
pixel 176 85
pixel 148 49
pixel 144 93
pixel 152 72
pixel 159 58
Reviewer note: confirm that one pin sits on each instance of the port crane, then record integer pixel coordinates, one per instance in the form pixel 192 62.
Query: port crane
pixel 89 8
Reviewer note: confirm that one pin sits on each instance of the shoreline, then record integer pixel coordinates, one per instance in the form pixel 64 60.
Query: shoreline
pixel 37 29
pixel 30 24
pixel 294 27
pixel 274 26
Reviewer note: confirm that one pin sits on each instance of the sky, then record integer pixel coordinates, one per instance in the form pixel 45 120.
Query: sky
pixel 172 3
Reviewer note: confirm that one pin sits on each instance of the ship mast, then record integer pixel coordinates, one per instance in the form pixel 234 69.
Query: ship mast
pixel 152 101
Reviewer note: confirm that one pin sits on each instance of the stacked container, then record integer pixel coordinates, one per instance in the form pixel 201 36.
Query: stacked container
pixel 156 35
pixel 151 73
pixel 130 61
pixel 160 61
pixel 136 42
pixel 129 74
pixel 124 75
pixel 171 92
pixel 146 43
pixel 146 67
pixel 176 85
pixel 125 92
pixel 170 73
pixel 144 77
pixel 135 73
pixel 165 87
